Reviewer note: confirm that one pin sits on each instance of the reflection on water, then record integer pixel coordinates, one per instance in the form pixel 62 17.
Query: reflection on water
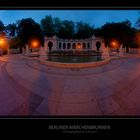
pixel 74 59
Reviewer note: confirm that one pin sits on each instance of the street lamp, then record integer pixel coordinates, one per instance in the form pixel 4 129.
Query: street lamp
pixel 114 43
pixel 35 44
pixel 3 45
pixel 1 42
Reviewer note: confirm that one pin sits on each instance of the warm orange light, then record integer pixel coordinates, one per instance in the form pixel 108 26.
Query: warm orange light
pixel 35 44
pixel 2 43
pixel 114 44
pixel 137 38
pixel 78 46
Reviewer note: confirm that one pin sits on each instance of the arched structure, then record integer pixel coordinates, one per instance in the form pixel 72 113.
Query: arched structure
pixel 55 43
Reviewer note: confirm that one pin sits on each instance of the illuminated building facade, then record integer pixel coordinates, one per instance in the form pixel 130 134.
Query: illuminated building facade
pixel 55 44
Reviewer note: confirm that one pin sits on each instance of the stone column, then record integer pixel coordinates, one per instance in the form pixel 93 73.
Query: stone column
pixel 27 51
pixel 105 53
pixel 43 54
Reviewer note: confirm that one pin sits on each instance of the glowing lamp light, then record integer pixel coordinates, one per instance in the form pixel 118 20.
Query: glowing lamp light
pixel 78 46
pixel 35 44
pixel 113 43
pixel 1 42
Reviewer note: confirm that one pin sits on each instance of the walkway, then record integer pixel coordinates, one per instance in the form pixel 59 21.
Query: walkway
pixel 30 88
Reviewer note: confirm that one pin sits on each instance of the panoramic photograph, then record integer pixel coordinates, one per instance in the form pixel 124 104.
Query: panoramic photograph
pixel 69 63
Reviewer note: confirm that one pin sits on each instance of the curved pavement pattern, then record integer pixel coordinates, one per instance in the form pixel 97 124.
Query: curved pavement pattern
pixel 30 88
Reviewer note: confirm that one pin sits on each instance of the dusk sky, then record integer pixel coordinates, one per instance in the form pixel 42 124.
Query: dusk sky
pixel 93 17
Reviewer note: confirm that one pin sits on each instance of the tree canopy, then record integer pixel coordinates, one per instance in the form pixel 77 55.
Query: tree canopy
pixel 65 28
pixel 121 31
pixel 28 29
pixel 2 27
pixel 11 29
pixel 83 30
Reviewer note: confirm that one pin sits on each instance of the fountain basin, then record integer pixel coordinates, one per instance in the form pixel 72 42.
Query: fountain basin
pixel 75 65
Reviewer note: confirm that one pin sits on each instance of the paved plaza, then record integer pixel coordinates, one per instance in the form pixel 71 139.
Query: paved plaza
pixel 30 88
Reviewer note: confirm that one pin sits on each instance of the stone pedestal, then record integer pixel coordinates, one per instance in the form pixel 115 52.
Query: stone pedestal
pixel 23 50
pixel 105 54
pixel 121 51
pixel 27 51
pixel 43 54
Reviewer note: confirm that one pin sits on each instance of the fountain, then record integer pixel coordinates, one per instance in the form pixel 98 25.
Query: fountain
pixel 76 60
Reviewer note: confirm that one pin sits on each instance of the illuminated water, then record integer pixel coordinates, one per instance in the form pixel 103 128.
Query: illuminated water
pixel 74 59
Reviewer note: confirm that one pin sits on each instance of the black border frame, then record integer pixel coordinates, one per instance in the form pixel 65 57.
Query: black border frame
pixel 124 125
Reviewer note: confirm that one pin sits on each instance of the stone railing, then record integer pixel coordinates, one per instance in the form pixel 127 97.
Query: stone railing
pixel 14 51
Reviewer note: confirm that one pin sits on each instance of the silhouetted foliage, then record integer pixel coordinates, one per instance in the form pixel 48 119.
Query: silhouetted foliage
pixel 11 29
pixel 83 30
pixel 28 29
pixel 121 31
pixel 47 26
pixel 2 27
pixel 65 29
pixel 15 43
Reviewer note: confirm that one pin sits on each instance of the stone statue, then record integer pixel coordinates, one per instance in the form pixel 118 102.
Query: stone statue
pixel 121 51
pixel 43 54
pixel 27 51
pixel 105 54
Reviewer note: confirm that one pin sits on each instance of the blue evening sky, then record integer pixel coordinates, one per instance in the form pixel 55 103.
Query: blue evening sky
pixel 93 17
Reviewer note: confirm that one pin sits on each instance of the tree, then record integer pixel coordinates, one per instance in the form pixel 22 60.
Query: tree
pixel 121 31
pixel 57 24
pixel 28 29
pixel 47 25
pixel 2 27
pixel 11 29
pixel 83 30
pixel 67 30
pixel 15 43
pixel 137 32
pixel 97 32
